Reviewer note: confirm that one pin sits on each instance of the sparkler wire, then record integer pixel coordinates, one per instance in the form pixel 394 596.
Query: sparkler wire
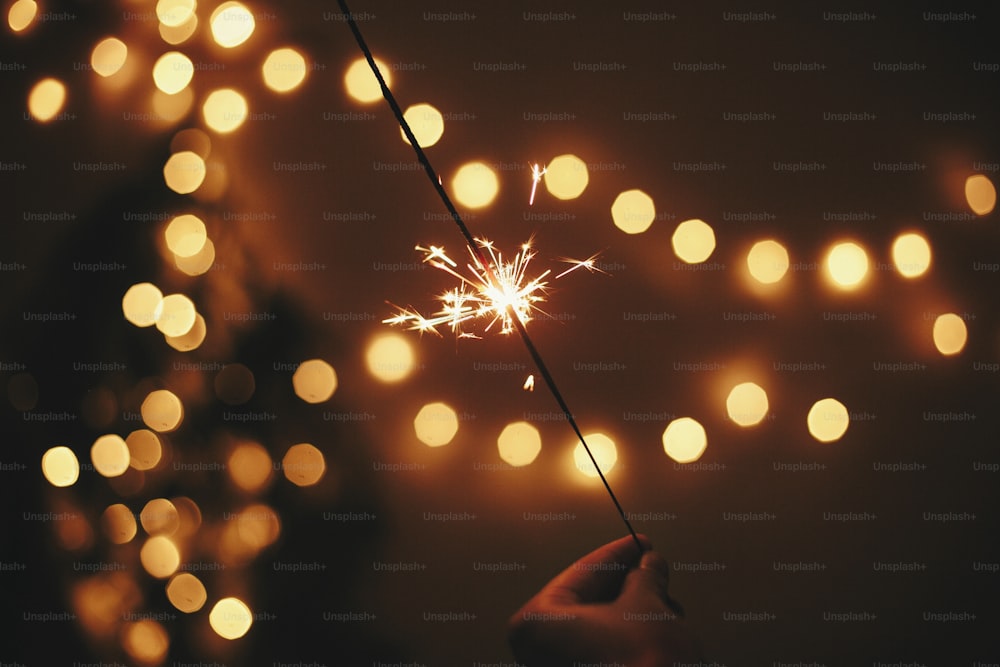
pixel 477 252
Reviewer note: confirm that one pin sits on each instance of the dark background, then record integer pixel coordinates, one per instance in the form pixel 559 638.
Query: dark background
pixel 950 467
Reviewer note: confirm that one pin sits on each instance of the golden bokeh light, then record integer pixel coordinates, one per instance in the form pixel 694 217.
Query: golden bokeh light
pixel 21 14
pixel 186 592
pixel 110 456
pixel 174 13
pixel 747 404
pixel 284 70
pixel 144 448
pixel 192 339
pixel 950 334
pixel 46 99
pixel 176 315
pixel 767 261
pixel 60 466
pixel 99 602
pixel 390 358
pixel 435 424
pixel 426 123
pixel 141 304
pixel 230 618
pixel 159 556
pixel 74 533
pixel 519 444
pixel 225 110
pixel 314 381
pixel 232 24
pixel 178 34
pixel 184 172
pixel 693 241
pixel 303 464
pixel 108 57
pixel 171 108
pixel 684 440
pixel 189 514
pixel 159 517
pixel 566 177
pixel 234 384
pixel 360 82
pixel 604 450
pixel 199 263
pixel 172 72
pixel 257 527
pixel 847 265
pixel 249 466
pixel 146 642
pixel 162 411
pixel 980 194
pixel 475 185
pixel 192 139
pixel 911 253
pixel 633 211
pixel 185 235
pixel 119 524
pixel 828 420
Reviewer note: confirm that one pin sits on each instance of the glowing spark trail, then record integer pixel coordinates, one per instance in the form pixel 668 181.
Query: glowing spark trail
pixel 536 176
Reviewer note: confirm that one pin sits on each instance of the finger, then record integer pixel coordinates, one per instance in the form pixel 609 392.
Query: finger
pixel 596 576
pixel 652 577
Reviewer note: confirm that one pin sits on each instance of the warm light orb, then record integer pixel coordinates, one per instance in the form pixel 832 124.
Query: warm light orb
pixel 141 304
pixel 519 443
pixel 303 464
pixel 232 24
pixel 847 265
pixel 119 524
pixel 185 235
pixel 314 381
pixel 426 123
pixel 178 34
pixel 390 358
pixel 186 592
pixel 46 99
pixel 174 13
pixel 361 83
pixel 110 456
pixel 184 172
pixel 159 517
pixel 693 241
pixel 225 110
pixel 159 556
pixel 162 411
pixel 171 108
pixel 767 261
pixel 911 253
pixel 172 72
pixel 950 334
pixel 684 440
pixel 828 420
pixel 604 451
pixel 249 466
pixel 192 339
pixel 199 263
pixel 980 194
pixel 176 315
pixel 108 57
pixel 21 14
pixel 436 424
pixel 566 177
pixel 146 642
pixel 747 404
pixel 284 70
pixel 144 449
pixel 60 466
pixel 230 618
pixel 475 185
pixel 633 211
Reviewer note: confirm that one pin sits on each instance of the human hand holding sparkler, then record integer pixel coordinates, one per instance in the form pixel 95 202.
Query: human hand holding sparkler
pixel 609 607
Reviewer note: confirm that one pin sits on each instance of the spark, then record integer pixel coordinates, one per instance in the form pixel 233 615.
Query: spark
pixel 536 175
pixel 529 383
pixel 494 292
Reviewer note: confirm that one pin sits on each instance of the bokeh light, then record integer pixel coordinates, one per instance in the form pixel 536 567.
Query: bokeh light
pixel 145 450
pixel 360 81
pixel 828 420
pixel 684 440
pixel 110 456
pixel 192 339
pixel 146 642
pixel 980 194
pixel 284 70
pixel 747 404
pixel 566 177
pixel 693 241
pixel 159 556
pixel 178 34
pixel 171 108
pixel 633 211
pixel 519 444
pixel 141 304
pixel 249 466
pixel 172 72
pixel 950 334
pixel 176 314
pixel 314 381
pixel 184 172
pixel 159 517
pixel 225 110
pixel 186 592
pixel 230 618
pixel 174 13
pixel 46 99
pixel 475 185
pixel 426 123
pixel 911 253
pixel 119 524
pixel 185 235
pixel 60 466
pixel 232 24
pixel 108 57
pixel 197 264
pixel 435 424
pixel 767 261
pixel 604 451
pixel 390 358
pixel 303 464
pixel 21 14
pixel 162 411
pixel 847 265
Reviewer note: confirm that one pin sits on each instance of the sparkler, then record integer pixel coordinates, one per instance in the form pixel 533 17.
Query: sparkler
pixel 536 176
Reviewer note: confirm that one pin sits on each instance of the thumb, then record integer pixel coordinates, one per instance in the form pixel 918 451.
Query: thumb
pixel 649 583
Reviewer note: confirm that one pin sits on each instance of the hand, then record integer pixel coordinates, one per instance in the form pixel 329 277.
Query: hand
pixel 604 609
